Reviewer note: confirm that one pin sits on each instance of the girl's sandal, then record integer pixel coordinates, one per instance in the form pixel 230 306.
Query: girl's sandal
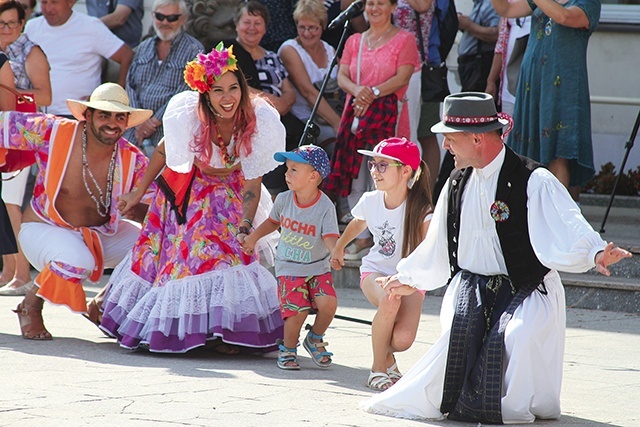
pixel 288 358
pixel 311 343
pixel 31 323
pixel 394 373
pixel 379 381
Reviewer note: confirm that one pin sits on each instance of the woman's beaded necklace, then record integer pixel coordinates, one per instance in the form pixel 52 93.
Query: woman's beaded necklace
pixel 103 201
pixel 372 46
pixel 227 159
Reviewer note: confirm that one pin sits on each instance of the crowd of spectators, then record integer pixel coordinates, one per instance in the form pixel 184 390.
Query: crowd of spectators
pixel 218 148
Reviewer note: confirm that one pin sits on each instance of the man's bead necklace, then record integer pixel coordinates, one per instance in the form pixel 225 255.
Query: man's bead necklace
pixel 103 201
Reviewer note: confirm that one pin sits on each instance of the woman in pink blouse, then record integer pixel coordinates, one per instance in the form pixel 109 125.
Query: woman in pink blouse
pixel 374 71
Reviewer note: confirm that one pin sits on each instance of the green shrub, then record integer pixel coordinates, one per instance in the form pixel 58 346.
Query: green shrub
pixel 604 181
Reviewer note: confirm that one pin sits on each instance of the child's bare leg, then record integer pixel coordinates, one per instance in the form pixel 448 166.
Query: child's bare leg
pixel 383 323
pixel 404 331
pixel 292 326
pixel 406 322
pixel 327 306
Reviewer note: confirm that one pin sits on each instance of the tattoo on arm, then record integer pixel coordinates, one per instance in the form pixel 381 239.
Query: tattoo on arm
pixel 247 202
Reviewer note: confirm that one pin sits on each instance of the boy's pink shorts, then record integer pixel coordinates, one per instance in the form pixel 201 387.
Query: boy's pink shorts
pixel 297 293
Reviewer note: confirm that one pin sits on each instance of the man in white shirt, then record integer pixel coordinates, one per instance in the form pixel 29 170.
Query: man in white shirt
pixel 501 229
pixel 75 45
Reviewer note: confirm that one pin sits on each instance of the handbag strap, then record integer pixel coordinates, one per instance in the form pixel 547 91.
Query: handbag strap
pixel 420 39
pixel 19 96
pixel 358 60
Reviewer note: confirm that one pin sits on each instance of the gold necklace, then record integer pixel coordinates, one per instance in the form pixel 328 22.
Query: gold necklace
pixel 372 46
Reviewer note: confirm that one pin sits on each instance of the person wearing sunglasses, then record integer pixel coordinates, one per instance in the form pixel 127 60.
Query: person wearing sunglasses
pixel 156 71
pixel 374 72
pixel 122 17
pixel 397 213
pixel 502 229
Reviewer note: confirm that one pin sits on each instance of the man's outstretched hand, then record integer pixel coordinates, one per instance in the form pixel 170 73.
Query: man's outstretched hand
pixel 610 255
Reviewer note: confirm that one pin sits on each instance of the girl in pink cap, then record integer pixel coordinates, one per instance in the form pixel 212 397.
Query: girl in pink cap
pixel 397 213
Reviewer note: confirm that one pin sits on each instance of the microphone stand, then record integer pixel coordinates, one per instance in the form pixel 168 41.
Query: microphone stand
pixel 628 146
pixel 311 130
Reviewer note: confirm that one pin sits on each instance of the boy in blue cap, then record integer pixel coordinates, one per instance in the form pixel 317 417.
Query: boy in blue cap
pixel 308 232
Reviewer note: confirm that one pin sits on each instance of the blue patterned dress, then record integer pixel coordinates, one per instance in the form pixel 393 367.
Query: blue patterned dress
pixel 552 114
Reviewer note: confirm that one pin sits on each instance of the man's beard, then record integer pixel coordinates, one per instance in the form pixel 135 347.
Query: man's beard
pixel 104 139
pixel 166 37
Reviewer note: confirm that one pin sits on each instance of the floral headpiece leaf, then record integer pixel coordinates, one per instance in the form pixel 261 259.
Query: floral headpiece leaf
pixel 205 69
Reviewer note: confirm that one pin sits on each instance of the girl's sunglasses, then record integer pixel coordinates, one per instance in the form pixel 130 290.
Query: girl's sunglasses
pixel 170 18
pixel 382 166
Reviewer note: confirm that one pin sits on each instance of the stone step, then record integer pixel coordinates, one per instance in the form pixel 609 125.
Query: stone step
pixel 618 292
pixel 590 291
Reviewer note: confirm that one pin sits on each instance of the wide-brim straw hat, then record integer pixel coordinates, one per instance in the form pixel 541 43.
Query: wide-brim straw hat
pixel 473 112
pixel 109 97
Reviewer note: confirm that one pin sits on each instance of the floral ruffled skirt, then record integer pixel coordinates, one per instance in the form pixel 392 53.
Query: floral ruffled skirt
pixel 186 284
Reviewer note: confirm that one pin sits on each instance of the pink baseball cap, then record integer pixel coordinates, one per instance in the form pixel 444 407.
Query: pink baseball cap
pixel 399 149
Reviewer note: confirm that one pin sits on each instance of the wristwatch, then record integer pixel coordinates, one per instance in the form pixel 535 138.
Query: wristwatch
pixel 375 91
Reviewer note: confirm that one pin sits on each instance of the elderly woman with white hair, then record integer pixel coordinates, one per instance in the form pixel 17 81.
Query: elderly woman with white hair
pixel 307 58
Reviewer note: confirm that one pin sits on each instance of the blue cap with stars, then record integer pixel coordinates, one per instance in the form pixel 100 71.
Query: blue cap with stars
pixel 310 154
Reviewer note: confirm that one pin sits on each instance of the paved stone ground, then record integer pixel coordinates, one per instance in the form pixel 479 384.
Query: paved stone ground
pixel 82 378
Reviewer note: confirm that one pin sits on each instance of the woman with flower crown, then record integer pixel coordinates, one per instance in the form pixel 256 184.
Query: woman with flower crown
pixel 187 281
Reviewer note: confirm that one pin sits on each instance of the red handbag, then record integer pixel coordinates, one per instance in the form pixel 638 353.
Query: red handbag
pixel 16 160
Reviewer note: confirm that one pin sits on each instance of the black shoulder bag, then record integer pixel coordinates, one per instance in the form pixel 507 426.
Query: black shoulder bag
pixel 435 86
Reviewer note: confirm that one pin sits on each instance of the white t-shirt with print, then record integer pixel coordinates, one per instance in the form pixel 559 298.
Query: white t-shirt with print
pixel 387 227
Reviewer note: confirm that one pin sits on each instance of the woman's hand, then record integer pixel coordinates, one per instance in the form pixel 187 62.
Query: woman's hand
pixel 127 202
pixel 364 94
pixel 247 243
pixel 359 108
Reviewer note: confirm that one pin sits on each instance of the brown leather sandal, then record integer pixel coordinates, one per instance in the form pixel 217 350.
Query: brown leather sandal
pixel 94 315
pixel 30 319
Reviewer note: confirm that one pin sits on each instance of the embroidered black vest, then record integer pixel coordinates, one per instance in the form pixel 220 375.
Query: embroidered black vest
pixel 524 268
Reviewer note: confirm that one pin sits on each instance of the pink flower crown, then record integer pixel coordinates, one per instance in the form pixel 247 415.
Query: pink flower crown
pixel 204 70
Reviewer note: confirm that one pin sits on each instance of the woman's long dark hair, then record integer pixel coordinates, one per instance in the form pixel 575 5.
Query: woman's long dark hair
pixel 245 122
pixel 419 204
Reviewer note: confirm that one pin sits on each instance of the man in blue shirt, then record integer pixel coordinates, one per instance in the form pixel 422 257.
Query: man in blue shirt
pixel 156 73
pixel 122 17
pixel 475 51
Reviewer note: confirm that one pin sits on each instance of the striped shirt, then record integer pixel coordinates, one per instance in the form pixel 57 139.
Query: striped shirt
pixel 151 82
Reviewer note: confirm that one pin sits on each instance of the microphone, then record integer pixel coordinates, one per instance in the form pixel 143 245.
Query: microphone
pixel 352 11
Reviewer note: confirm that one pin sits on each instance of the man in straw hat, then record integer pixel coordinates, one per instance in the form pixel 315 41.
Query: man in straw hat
pixel 501 229
pixel 71 229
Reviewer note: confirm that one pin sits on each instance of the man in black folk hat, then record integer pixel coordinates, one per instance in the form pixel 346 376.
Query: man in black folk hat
pixel 501 229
